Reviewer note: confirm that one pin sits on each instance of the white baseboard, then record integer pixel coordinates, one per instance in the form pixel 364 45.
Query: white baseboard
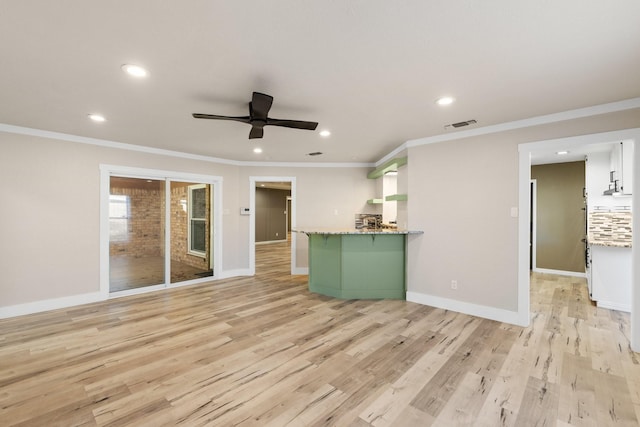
pixel 303 271
pixel 235 273
pixel 70 301
pixel 614 306
pixel 560 272
pixel 49 304
pixel 492 313
pixel 267 242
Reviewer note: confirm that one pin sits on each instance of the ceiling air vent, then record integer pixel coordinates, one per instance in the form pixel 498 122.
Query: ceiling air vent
pixel 461 124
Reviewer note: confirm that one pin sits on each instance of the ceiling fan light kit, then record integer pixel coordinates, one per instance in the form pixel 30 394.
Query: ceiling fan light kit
pixel 258 117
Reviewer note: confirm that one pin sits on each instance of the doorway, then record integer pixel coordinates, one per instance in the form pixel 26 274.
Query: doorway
pixel 271 218
pixel 558 216
pixel 532 225
pixel 158 229
pixel 528 151
pixel 281 210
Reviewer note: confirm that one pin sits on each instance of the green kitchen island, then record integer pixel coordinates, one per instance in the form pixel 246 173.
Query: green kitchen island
pixel 358 264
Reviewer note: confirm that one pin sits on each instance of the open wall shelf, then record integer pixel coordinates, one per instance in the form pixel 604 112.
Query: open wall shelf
pixel 391 165
pixel 396 197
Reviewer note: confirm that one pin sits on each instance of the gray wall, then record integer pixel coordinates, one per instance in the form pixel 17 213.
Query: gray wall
pixel 271 220
pixel 560 216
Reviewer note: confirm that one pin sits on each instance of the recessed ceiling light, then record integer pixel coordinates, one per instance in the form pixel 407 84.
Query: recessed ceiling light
pixel 134 70
pixel 97 117
pixel 562 153
pixel 257 150
pixel 445 100
pixel 325 133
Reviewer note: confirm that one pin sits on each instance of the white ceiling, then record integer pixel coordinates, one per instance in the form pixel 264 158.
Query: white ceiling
pixel 368 70
pixel 576 154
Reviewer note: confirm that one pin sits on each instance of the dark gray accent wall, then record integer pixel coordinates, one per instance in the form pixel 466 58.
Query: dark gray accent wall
pixel 560 216
pixel 271 219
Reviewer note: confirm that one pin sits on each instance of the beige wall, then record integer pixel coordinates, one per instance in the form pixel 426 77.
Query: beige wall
pixel 460 195
pixel 325 197
pixel 50 245
pixel 560 216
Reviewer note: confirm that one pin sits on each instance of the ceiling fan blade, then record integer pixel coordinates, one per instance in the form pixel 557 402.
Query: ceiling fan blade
pixel 258 110
pixel 243 119
pixel 260 105
pixel 256 132
pixel 296 124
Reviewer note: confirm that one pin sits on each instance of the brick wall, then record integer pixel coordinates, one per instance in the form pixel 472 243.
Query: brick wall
pixel 144 237
pixel 145 225
pixel 179 242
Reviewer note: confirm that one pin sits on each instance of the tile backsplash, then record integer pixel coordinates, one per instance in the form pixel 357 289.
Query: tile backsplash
pixel 368 221
pixel 613 226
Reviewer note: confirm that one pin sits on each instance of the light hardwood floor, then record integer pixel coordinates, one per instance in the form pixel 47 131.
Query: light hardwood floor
pixel 262 350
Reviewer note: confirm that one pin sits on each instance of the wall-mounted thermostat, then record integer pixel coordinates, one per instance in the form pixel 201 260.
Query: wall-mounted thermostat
pixel 245 211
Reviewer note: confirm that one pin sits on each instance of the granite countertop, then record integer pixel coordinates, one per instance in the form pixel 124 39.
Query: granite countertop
pixel 320 230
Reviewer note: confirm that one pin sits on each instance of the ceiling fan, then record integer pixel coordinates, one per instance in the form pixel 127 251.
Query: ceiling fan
pixel 258 109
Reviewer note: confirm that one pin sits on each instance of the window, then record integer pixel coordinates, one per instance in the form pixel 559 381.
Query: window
pixel 119 214
pixel 197 212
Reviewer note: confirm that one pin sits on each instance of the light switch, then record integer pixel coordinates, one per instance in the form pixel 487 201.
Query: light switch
pixel 514 212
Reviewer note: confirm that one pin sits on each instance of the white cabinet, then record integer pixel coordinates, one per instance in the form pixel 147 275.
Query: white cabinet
pixel 615 162
pixel 627 167
pixel 610 277
pixel 621 168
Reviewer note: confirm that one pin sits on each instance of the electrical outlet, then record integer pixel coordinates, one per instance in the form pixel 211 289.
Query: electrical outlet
pixel 454 284
pixel 276 234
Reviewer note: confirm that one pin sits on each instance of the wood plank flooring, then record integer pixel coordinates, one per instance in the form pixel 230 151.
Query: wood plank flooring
pixel 263 351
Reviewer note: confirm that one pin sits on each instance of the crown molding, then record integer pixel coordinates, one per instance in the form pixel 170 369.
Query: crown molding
pixel 162 152
pixel 596 110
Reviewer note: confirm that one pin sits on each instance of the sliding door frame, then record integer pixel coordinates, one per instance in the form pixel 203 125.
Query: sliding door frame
pixel 107 171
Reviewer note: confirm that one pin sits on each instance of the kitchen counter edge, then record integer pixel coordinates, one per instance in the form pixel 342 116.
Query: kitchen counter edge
pixel 354 231
pixel 608 241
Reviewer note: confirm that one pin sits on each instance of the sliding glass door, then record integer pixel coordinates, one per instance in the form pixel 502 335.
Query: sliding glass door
pixel 136 233
pixel 191 219
pixel 160 232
